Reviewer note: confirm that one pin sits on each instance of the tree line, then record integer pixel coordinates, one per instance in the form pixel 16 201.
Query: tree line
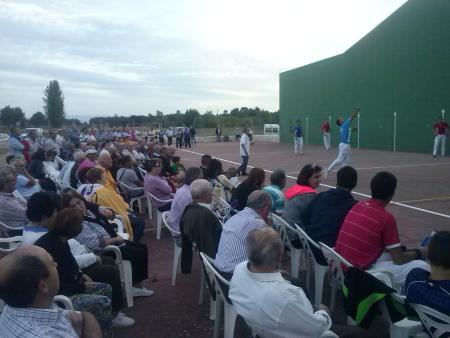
pixel 54 116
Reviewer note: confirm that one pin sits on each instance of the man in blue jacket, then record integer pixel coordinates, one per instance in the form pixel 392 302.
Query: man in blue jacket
pixel 323 216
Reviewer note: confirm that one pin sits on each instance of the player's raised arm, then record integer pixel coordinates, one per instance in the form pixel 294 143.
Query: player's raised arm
pixel 355 111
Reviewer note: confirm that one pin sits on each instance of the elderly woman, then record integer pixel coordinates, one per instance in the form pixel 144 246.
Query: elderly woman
pixel 83 292
pixel 95 237
pixel 127 176
pixel 12 212
pixel 254 181
pixel 111 199
pixel 26 184
pixel 157 185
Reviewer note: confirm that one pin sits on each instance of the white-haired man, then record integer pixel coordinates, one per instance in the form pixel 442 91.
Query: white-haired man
pixel 231 249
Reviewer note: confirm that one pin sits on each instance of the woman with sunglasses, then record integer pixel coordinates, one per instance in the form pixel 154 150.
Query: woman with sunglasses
pixel 300 194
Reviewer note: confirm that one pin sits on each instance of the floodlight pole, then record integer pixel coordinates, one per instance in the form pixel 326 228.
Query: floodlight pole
pixel 395 131
pixel 307 130
pixel 358 129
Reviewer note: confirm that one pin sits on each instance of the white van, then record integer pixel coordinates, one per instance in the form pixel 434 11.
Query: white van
pixel 271 129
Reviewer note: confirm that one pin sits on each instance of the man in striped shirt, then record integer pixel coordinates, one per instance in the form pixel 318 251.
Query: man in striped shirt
pixel 231 250
pixel 369 239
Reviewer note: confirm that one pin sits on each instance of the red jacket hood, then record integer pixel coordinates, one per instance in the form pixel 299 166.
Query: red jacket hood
pixel 297 189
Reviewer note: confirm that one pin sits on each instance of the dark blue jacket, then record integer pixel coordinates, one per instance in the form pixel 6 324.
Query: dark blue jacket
pixel 323 216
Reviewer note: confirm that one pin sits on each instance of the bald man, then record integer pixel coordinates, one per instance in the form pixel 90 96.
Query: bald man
pixel 28 283
pixel 105 163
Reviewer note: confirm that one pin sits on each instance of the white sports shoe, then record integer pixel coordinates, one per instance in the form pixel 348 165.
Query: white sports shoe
pixel 144 292
pixel 122 320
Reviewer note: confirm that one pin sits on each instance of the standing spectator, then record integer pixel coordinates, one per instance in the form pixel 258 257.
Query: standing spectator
pixel 187 137
pixel 182 197
pixel 277 184
pixel 169 134
pixel 237 134
pixel 244 150
pixel 326 134
pixel 323 216
pixel 343 158
pixel 218 133
pixel 179 138
pixel 298 138
pixel 271 305
pixel 250 134
pixel 432 288
pixel 157 185
pixel 231 250
pixel 193 132
pixel 253 182
pixel 369 239
pixel 15 147
pixel 300 194
pixel 440 130
pixel 29 281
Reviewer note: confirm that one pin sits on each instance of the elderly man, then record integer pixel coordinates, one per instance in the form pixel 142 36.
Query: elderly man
pixel 32 141
pixel 13 208
pixel 199 224
pixel 231 249
pixel 28 283
pixel 15 147
pixel 105 163
pixel 26 185
pixel 271 305
pixel 183 197
pixel 51 144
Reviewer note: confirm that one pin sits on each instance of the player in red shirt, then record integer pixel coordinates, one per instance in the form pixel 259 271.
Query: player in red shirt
pixel 369 239
pixel 440 130
pixel 326 134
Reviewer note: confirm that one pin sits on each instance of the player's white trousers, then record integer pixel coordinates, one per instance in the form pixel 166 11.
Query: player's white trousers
pixel 326 140
pixel 298 145
pixel 439 139
pixel 343 158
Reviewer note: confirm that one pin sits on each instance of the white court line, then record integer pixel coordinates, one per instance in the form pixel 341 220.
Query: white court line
pixel 330 186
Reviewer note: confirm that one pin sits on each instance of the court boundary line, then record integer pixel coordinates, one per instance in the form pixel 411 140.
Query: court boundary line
pixel 330 186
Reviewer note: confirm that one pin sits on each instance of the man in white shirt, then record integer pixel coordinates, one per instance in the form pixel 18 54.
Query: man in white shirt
pixel 244 150
pixel 271 305
pixel 28 283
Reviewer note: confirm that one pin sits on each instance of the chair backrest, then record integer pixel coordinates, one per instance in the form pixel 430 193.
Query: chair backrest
pixel 156 199
pixel 165 219
pixel 313 249
pixel 6 226
pixel 282 227
pixel 143 171
pixel 436 323
pixel 12 243
pixel 64 301
pixel 336 262
pixel 223 210
pixel 215 277
pixel 125 189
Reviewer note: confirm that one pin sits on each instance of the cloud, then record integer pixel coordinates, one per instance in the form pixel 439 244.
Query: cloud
pixel 132 57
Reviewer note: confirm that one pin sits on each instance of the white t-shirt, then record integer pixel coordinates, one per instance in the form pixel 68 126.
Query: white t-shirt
pixel 246 142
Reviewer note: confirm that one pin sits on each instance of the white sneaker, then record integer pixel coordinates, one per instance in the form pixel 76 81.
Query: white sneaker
pixel 144 292
pixel 122 320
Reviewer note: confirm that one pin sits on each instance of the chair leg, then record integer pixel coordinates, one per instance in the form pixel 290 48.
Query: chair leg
pixel 158 224
pixel 141 206
pixel 309 266
pixel 150 209
pixel 295 261
pixel 202 287
pixel 176 259
pixel 230 320
pixel 319 275
pixel 128 281
pixel 333 295
pixel 218 316
pixel 212 308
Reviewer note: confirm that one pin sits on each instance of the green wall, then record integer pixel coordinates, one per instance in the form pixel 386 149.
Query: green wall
pixel 402 66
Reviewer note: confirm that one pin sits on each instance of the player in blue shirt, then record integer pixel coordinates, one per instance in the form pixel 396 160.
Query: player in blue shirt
pixel 343 158
pixel 298 138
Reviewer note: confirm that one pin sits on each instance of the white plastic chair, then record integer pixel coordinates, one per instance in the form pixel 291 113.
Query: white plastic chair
pixel 435 322
pixel 319 269
pixel 223 209
pixel 119 225
pixel 282 227
pixel 126 274
pixel 13 243
pixel 64 301
pixel 152 200
pixel 124 189
pixel 230 313
pixel 176 247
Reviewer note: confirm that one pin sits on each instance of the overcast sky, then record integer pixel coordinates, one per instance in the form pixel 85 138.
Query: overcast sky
pixel 139 56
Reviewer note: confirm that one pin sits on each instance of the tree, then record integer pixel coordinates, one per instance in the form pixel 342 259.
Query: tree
pixel 38 119
pixel 54 104
pixel 10 116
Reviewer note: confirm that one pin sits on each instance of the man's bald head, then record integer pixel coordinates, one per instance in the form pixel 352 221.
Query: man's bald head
pixel 259 199
pixel 21 274
pixel 264 248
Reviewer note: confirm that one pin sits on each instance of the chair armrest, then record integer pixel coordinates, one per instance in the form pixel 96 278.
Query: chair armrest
pixel 64 301
pixel 10 227
pixel 114 249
